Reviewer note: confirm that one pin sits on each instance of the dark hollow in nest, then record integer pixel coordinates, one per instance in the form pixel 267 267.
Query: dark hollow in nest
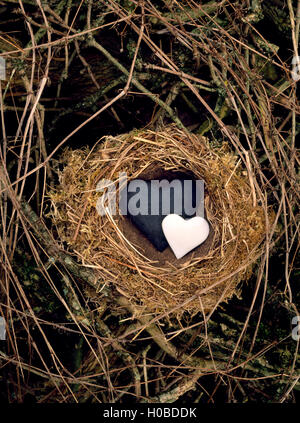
pixel 139 240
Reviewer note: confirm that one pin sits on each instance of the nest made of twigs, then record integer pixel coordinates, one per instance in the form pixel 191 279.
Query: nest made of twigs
pixel 155 281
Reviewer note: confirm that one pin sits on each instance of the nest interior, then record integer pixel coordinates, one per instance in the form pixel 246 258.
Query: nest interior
pixel 136 238
pixel 157 282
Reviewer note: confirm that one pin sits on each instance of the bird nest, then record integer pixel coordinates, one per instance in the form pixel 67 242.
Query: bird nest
pixel 124 258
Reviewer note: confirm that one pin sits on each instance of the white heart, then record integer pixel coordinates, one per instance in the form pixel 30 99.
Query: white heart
pixel 184 235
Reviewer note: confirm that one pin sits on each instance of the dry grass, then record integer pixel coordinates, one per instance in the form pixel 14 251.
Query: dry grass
pixel 234 206
pixel 208 68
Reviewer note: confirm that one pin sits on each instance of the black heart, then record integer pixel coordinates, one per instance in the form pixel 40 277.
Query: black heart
pixel 156 202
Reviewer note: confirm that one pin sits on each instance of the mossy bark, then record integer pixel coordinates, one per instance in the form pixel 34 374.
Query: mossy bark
pixel 277 12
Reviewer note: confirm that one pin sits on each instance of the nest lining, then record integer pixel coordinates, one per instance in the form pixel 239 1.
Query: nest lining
pixel 157 282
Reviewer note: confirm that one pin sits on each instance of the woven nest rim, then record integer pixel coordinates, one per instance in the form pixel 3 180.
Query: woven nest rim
pixel 194 283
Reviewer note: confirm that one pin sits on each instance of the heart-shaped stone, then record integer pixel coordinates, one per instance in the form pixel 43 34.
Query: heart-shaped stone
pixel 184 235
pixel 146 201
